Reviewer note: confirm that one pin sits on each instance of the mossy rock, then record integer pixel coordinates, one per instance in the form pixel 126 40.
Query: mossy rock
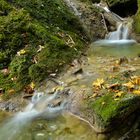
pixel 137 19
pixel 115 105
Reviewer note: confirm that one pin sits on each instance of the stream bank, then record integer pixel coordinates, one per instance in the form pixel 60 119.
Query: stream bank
pixel 109 84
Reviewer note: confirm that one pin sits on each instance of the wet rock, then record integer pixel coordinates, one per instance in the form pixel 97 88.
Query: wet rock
pixel 39 136
pixel 78 71
pixel 126 7
pixel 8 106
pixel 122 60
pixel 90 18
pixel 116 106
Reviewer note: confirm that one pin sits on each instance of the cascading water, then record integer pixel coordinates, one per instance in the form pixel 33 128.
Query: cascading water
pixel 40 106
pixel 121 35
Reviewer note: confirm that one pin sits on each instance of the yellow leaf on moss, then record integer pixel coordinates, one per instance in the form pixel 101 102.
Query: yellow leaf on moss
pixel 103 103
pixel 119 94
pixel 21 52
pixel 137 91
pixel 32 85
pixel 116 99
pixel 98 82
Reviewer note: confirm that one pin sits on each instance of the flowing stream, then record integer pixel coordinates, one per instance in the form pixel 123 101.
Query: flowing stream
pixel 44 120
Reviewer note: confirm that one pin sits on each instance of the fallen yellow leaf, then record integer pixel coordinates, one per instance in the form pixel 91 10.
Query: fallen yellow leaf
pixel 137 91
pixel 21 52
pixel 58 88
pixel 103 103
pixel 129 85
pixel 135 80
pixel 11 91
pixel 98 82
pixel 93 96
pixel 119 94
pixel 32 85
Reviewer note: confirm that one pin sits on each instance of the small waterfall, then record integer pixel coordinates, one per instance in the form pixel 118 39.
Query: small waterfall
pixel 40 106
pixel 120 34
pixel 118 37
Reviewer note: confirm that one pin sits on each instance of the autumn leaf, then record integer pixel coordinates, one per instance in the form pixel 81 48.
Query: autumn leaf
pixel 32 85
pixel 137 91
pixel 21 52
pixel 119 94
pixel 103 103
pixel 11 91
pixel 98 83
pixel 135 80
pixel 129 85
pixel 58 88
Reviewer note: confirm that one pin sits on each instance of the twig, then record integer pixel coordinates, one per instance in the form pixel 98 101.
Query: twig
pixel 104 22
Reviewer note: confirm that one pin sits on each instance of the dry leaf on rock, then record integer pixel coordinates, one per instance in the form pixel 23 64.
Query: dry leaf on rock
pixel 112 86
pixel 135 80
pixel 129 85
pixel 98 83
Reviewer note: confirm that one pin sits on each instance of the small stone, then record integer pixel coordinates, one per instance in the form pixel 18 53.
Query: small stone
pixel 102 137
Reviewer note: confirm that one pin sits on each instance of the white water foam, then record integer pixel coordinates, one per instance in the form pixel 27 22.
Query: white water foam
pixel 40 106
pixel 120 36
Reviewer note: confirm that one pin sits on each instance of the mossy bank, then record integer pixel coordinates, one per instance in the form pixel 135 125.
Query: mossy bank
pixel 36 39
pixel 114 101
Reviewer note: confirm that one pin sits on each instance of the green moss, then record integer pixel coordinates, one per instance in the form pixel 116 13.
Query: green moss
pixel 29 24
pixel 5 8
pixel 110 107
pixel 105 107
pixel 137 19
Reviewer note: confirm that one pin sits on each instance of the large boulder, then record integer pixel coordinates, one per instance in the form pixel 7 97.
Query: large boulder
pixel 117 100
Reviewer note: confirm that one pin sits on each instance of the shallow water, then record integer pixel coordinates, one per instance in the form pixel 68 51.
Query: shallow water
pixel 64 127
pixel 99 63
pixel 115 50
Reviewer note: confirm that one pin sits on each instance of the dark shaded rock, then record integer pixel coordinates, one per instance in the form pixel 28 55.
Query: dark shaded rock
pixel 90 18
pixel 124 8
